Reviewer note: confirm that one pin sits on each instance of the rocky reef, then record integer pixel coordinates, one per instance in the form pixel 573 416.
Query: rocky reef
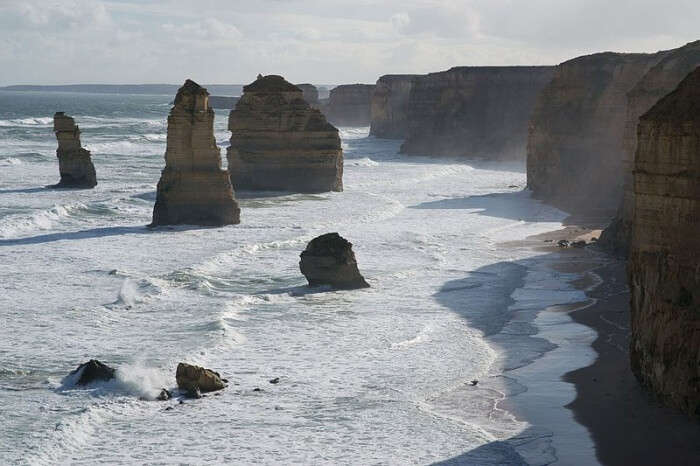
pixel 193 189
pixel 660 80
pixel 74 162
pixel 92 371
pixel 474 112
pixel 195 380
pixel 389 109
pixel 349 105
pixel 575 153
pixel 664 259
pixel 329 260
pixel 280 143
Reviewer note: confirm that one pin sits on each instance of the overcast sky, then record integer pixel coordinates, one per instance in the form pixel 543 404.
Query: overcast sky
pixel 324 41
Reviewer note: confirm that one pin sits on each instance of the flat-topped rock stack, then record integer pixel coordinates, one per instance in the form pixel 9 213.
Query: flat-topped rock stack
pixel 310 94
pixel 389 109
pixel 280 143
pixel 350 105
pixel 193 189
pixel 664 260
pixel 74 162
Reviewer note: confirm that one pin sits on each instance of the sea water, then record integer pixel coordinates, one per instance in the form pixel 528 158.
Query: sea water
pixel 375 376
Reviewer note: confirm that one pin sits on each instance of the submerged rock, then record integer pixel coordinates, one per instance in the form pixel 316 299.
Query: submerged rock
pixel 329 260
pixel 193 189
pixel 663 266
pixel 192 379
pixel 280 143
pixel 93 371
pixel 74 162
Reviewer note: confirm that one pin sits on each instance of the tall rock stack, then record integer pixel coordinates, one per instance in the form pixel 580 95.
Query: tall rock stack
pixel 349 105
pixel 74 162
pixel 664 261
pixel 654 85
pixel 280 143
pixel 389 109
pixel 473 112
pixel 310 94
pixel 193 189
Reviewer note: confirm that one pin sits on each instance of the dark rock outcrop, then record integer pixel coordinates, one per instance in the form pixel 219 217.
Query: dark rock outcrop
pixel 329 260
pixel 310 94
pixel 474 112
pixel 74 162
pixel 280 143
pixel 660 80
pixel 93 371
pixel 193 189
pixel 219 101
pixel 349 105
pixel 193 379
pixel 389 109
pixel 664 260
pixel 574 157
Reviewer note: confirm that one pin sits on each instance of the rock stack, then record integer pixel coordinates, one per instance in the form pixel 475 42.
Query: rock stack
pixel 329 260
pixel 280 143
pixel 349 105
pixel 389 109
pixel 664 260
pixel 193 189
pixel 310 94
pixel 74 162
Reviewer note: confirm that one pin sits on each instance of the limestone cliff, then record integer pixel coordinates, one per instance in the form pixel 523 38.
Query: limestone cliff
pixel 74 162
pixel 389 109
pixel 310 93
pixel 193 189
pixel 349 105
pixel 655 84
pixel 664 261
pixel 280 143
pixel 574 156
pixel 474 112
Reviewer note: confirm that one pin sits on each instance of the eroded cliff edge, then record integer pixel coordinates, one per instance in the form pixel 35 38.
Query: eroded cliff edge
pixel 664 260
pixel 474 112
pixel 193 189
pixel 280 143
pixel 389 108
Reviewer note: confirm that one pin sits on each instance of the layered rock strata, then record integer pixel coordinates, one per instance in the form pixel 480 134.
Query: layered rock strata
pixel 193 188
pixel 473 112
pixel 660 80
pixel 280 143
pixel 389 107
pixel 74 162
pixel 664 260
pixel 330 260
pixel 349 105
pixel 575 153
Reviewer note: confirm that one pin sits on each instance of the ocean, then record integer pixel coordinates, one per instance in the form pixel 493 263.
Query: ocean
pixel 375 376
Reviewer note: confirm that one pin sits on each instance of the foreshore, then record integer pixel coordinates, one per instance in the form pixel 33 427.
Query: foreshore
pixel 628 426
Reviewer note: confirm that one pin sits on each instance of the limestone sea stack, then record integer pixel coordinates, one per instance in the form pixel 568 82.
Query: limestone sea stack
pixel 74 162
pixel 389 107
pixel 474 112
pixel 280 143
pixel 349 105
pixel 664 260
pixel 659 81
pixel 310 93
pixel 193 189
pixel 329 260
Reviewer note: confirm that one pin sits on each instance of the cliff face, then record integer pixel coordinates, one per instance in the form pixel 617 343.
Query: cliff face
pixel 475 112
pixel 280 143
pixel 193 189
pixel 574 154
pixel 389 108
pixel 310 93
pixel 74 162
pixel 664 262
pixel 655 84
pixel 349 105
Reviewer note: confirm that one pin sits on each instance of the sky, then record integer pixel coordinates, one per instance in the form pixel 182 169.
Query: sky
pixel 318 41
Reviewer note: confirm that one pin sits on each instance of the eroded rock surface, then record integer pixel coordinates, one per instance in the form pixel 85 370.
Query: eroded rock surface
pixel 93 371
pixel 389 108
pixel 473 112
pixel 349 105
pixel 664 260
pixel 280 143
pixel 193 189
pixel 329 260
pixel 193 379
pixel 74 162
pixel 310 93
